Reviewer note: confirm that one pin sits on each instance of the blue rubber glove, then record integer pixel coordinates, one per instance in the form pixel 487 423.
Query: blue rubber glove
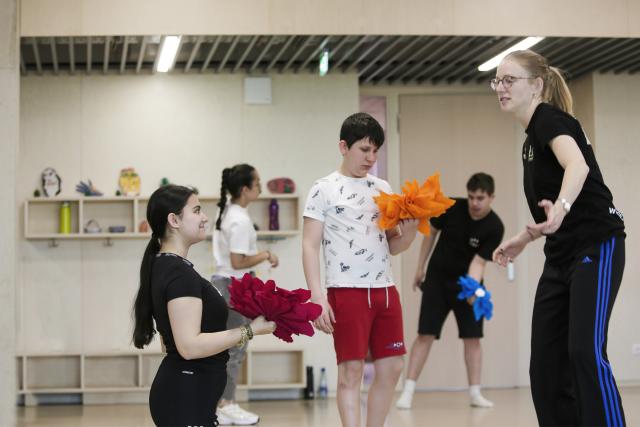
pixel 469 286
pixel 483 306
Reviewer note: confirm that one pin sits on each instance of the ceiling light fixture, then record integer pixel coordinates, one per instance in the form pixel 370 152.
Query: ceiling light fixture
pixel 521 45
pixel 168 52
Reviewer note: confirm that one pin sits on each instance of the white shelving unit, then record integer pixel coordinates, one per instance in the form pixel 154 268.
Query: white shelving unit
pixel 41 216
pixel 263 368
pixel 124 374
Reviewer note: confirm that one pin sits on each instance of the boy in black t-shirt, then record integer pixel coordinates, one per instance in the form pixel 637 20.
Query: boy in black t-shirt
pixel 469 233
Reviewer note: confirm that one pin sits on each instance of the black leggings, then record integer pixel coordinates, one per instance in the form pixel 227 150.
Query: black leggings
pixel 572 382
pixel 186 392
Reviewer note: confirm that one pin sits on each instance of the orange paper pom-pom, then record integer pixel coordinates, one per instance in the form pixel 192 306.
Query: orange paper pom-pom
pixel 415 202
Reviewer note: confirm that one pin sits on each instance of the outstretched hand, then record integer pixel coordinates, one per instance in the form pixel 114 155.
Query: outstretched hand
pixel 555 214
pixel 510 249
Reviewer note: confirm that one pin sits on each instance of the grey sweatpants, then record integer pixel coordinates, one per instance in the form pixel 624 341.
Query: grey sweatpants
pixel 236 355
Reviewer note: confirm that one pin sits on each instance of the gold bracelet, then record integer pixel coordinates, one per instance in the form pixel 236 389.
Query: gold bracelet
pixel 249 332
pixel 246 334
pixel 244 337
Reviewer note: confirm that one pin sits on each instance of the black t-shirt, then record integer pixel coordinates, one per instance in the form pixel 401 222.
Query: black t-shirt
pixel 461 238
pixel 593 217
pixel 174 277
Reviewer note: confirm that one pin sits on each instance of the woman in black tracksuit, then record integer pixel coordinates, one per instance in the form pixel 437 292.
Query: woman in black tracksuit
pixel 188 312
pixel 571 379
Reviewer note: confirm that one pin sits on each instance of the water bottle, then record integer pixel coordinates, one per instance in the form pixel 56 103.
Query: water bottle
pixel 323 390
pixel 65 218
pixel 273 215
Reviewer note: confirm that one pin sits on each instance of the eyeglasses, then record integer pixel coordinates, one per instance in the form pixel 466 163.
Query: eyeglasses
pixel 507 81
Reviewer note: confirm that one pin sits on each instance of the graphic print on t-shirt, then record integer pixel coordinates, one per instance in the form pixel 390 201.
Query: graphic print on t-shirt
pixel 356 251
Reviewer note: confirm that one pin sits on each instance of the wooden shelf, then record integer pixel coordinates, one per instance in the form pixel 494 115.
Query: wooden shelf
pixel 44 390
pixel 41 217
pixel 116 389
pixel 98 199
pixel 87 236
pixel 133 372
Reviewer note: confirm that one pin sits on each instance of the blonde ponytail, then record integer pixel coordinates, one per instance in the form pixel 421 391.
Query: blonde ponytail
pixel 556 92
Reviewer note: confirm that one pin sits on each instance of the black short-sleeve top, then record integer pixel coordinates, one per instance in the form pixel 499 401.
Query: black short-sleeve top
pixel 462 238
pixel 174 277
pixel 593 216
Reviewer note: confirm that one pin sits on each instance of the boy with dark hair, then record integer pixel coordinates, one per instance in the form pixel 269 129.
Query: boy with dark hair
pixel 362 309
pixel 470 233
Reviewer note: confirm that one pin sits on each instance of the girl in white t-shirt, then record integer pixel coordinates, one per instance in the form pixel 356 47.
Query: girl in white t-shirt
pixel 235 253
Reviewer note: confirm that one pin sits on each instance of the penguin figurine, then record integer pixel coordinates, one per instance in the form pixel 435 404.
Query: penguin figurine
pixel 51 182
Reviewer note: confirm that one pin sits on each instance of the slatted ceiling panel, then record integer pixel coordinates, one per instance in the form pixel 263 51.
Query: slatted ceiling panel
pixel 467 73
pixel 633 68
pixel 349 52
pixel 446 59
pixel 473 49
pixel 427 60
pixel 415 69
pixel 625 58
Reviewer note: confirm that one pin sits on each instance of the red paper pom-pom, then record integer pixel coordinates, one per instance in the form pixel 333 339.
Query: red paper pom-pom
pixel 290 310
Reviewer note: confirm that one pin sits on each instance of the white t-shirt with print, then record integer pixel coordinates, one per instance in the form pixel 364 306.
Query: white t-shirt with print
pixel 236 235
pixel 356 251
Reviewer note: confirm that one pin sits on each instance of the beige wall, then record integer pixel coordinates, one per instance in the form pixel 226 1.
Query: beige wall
pixel 437 17
pixel 77 297
pixel 9 123
pixel 617 132
pixel 584 105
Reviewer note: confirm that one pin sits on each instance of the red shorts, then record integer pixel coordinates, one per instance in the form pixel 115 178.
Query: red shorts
pixel 360 328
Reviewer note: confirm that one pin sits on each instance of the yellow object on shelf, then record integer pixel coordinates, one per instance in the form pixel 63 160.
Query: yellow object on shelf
pixel 65 218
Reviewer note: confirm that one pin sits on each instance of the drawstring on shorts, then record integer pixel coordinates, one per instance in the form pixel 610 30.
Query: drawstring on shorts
pixel 386 290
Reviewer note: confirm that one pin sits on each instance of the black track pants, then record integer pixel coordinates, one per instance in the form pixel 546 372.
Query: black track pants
pixel 572 382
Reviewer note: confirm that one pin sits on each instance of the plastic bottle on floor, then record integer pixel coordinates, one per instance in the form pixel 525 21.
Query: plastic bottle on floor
pixel 323 389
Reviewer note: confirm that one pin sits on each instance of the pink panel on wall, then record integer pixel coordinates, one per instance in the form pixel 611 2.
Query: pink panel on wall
pixel 377 107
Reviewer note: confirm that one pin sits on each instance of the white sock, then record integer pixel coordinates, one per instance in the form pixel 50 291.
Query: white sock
pixel 477 399
pixel 474 390
pixel 409 386
pixel 404 401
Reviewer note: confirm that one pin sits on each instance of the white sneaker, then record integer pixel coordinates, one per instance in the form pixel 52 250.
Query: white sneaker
pixel 479 401
pixel 404 401
pixel 234 415
pixel 223 420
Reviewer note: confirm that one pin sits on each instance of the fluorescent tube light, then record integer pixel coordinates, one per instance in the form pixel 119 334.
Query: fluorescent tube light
pixel 323 67
pixel 521 45
pixel 168 52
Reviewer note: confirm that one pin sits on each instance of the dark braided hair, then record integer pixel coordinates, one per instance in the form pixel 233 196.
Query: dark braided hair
pixel 233 180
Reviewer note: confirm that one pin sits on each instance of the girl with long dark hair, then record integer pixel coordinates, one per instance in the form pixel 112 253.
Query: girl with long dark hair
pixel 187 311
